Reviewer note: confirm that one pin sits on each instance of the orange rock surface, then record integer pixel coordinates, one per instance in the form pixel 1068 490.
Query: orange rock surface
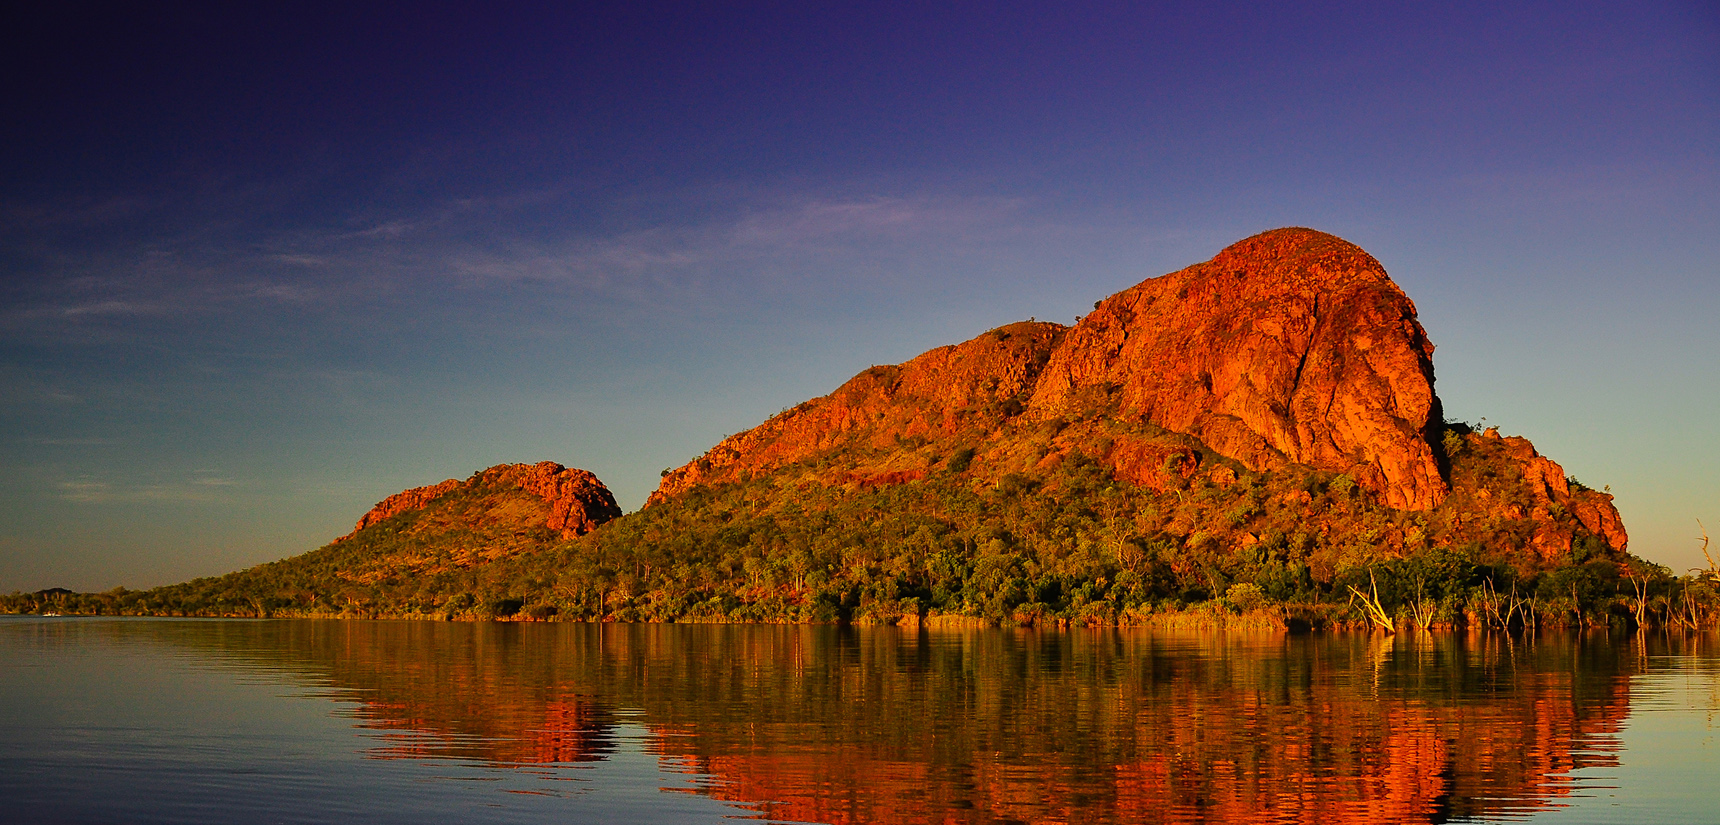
pixel 405 500
pixel 1542 489
pixel 930 396
pixel 578 501
pixel 1290 346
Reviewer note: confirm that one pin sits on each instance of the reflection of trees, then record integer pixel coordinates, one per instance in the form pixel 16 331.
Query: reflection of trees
pixel 840 725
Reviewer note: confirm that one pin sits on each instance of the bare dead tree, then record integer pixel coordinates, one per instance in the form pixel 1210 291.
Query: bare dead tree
pixel 1639 580
pixel 1713 570
pixel 1371 604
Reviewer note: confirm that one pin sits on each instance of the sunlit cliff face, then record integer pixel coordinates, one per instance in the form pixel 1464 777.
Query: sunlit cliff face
pixel 821 724
pixel 1292 346
pixel 1288 349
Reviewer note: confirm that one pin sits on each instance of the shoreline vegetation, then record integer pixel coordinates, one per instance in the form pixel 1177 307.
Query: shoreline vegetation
pixel 1291 549
pixel 1216 615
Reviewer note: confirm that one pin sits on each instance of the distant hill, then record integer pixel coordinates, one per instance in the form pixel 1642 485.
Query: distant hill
pixel 1252 438
pixel 419 546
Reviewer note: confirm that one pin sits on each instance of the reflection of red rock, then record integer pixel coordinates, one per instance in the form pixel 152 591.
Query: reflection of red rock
pixel 566 729
pixel 577 501
pixel 1202 755
pixel 807 724
pixel 573 730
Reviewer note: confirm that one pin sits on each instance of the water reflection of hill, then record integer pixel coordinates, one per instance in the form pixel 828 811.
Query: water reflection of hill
pixel 832 725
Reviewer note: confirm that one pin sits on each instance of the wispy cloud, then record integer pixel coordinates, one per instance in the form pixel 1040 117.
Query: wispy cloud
pixel 671 250
pixel 17 388
pixel 110 308
pixel 302 260
pixel 817 220
pixel 278 291
pixel 114 292
pixel 389 230
pixel 775 234
pixel 86 491
pixel 91 490
pixel 595 259
pixel 77 212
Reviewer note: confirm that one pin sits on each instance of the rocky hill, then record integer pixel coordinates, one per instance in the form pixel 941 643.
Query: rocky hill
pixel 1255 435
pixel 1290 348
pixel 575 501
pixel 420 546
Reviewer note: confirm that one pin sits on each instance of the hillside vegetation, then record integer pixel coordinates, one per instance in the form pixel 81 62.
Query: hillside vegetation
pixel 1067 544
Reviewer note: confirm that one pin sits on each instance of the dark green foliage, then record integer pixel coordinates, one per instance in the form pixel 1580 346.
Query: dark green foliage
pixel 959 460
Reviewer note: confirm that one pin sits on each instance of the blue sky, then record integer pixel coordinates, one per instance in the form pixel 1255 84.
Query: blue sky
pixel 259 270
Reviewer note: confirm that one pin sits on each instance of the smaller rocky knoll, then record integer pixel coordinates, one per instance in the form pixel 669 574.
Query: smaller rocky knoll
pixel 1500 480
pixel 578 502
pixel 411 550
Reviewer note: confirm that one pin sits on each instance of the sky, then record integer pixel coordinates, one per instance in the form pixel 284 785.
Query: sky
pixel 261 268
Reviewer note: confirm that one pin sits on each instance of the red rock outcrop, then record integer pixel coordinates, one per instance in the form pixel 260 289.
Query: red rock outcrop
pixel 1538 491
pixel 1153 464
pixel 578 501
pixel 1596 511
pixel 933 395
pixel 405 500
pixel 1290 346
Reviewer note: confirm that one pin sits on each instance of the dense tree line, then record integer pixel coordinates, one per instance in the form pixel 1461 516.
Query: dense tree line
pixel 1066 545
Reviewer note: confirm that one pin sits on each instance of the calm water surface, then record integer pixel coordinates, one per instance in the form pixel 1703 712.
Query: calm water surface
pixel 125 720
